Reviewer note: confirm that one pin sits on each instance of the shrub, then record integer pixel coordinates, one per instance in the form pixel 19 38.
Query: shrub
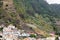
pixel 33 35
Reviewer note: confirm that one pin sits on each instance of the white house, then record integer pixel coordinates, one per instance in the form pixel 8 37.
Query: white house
pixel 10 33
pixel 25 34
pixel 30 38
pixel 41 39
pixel 50 38
pixel 59 38
pixel 11 26
pixel 1 26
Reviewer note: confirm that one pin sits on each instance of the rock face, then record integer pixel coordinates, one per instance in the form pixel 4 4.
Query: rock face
pixel 8 6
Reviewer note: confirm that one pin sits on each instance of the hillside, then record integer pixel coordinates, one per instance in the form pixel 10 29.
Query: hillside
pixel 23 12
pixel 56 9
pixel 35 14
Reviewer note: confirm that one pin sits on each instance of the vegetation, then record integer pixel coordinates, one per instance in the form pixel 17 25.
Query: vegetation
pixel 1 29
pixel 57 38
pixel 36 12
pixel 33 35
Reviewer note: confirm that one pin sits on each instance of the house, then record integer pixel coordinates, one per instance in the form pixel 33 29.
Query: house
pixel 25 34
pixel 59 38
pixel 50 38
pixel 29 38
pixel 10 33
pixel 1 26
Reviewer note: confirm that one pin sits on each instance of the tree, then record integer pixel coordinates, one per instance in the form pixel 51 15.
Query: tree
pixel 33 35
pixel 57 38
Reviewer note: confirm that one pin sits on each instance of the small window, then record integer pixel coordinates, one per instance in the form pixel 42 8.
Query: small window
pixel 6 5
pixel 0 36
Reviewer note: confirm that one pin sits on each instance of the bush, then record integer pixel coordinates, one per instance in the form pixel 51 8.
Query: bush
pixel 33 35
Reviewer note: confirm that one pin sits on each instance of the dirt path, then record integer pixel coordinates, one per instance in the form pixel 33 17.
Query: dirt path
pixel 37 30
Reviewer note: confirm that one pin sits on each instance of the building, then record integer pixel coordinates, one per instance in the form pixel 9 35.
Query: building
pixel 50 38
pixel 10 33
pixel 29 38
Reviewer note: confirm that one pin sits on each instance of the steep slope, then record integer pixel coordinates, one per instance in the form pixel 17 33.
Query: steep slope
pixel 35 12
pixel 56 9
pixel 23 12
pixel 8 14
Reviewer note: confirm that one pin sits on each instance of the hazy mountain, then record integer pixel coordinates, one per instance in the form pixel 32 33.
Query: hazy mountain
pixel 56 8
